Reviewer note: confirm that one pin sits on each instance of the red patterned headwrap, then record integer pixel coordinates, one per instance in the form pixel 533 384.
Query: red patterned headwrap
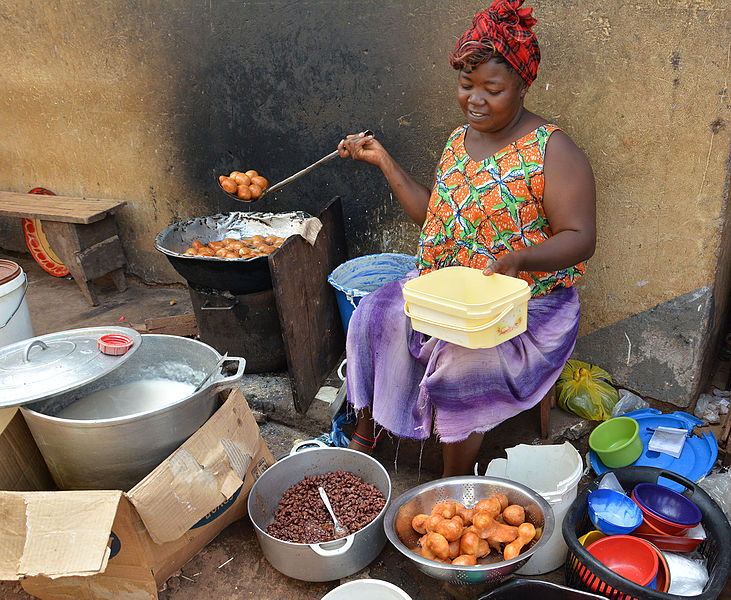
pixel 507 27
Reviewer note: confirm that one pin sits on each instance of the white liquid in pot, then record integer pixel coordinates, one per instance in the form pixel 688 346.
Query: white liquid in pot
pixel 127 399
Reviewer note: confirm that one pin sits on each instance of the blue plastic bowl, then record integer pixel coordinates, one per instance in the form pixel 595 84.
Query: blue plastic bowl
pixel 667 504
pixel 613 513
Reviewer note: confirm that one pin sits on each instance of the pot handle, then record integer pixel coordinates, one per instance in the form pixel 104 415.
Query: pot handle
pixel 318 549
pixel 223 382
pixel 207 306
pixel 303 445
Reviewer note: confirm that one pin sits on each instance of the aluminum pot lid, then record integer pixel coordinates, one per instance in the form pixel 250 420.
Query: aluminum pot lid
pixel 51 364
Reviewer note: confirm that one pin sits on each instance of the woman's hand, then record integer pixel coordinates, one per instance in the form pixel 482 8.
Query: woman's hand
pixel 363 147
pixel 508 264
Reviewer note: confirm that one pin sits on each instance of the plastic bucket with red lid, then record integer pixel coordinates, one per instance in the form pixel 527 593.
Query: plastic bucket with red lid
pixel 15 324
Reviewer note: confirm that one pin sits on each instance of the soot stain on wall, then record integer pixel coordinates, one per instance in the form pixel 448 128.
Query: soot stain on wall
pixel 278 100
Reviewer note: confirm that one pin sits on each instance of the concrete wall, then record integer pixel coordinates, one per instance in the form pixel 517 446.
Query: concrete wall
pixel 150 101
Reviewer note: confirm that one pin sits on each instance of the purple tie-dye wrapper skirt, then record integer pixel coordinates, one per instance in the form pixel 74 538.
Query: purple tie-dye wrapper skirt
pixel 414 384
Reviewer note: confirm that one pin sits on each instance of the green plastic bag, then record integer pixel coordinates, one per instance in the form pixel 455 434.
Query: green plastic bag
pixel 586 390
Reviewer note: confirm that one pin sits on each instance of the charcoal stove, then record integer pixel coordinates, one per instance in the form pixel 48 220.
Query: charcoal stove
pixel 276 310
pixel 242 325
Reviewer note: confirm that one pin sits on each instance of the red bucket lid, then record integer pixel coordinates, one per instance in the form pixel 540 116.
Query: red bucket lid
pixel 8 270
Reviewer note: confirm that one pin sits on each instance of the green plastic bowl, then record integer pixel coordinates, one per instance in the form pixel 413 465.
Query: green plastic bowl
pixel 617 442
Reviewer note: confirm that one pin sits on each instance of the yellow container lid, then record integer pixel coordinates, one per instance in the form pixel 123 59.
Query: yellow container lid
pixel 465 290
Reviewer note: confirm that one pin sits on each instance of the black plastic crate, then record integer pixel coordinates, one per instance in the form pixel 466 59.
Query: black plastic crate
pixel 530 589
pixel 716 549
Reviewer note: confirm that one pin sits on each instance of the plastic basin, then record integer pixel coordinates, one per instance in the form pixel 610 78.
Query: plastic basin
pixel 590 537
pixel 632 558
pixel 360 276
pixel 613 513
pixel 617 442
pixel 667 505
pixel 663 570
pixel 669 543
pixel 652 523
pixel 367 589
pixel 533 589
pixel 462 306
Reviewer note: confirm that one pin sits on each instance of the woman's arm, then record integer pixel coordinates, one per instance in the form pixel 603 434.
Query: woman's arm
pixel 569 200
pixel 413 196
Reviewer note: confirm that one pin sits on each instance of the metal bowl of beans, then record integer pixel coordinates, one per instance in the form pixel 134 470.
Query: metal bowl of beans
pixel 336 469
pixel 468 490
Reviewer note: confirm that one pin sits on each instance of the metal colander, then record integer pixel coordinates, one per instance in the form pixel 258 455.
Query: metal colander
pixel 468 490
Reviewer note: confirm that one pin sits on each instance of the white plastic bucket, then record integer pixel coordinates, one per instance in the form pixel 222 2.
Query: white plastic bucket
pixel 367 589
pixel 15 324
pixel 554 472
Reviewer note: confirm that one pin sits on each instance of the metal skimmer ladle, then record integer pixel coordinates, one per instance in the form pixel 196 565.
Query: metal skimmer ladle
pixel 340 530
pixel 290 179
pixel 213 370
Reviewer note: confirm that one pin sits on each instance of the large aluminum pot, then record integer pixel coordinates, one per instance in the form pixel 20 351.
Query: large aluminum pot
pixel 117 453
pixel 328 560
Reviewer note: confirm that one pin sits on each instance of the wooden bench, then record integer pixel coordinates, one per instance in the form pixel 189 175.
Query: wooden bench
pixel 82 232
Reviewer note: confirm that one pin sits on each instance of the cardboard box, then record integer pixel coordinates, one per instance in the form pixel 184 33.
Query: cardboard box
pixel 80 545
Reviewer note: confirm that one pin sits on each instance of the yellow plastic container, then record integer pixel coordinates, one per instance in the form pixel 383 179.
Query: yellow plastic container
pixel 462 306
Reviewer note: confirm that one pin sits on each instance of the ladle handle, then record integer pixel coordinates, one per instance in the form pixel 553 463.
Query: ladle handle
pixel 304 171
pixel 207 377
pixel 326 500
pixel 299 174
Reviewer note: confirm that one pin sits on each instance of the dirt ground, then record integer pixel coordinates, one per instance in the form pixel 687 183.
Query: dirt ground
pixel 232 566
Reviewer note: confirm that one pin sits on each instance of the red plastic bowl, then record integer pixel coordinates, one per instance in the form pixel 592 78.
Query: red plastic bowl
pixel 667 504
pixel 630 557
pixel 669 543
pixel 661 525
pixel 663 570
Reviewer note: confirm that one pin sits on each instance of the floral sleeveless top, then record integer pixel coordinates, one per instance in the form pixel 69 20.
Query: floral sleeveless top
pixel 479 211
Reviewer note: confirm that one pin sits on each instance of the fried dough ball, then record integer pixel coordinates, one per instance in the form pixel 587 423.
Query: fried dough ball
pixel 251 247
pixel 514 515
pixel 452 532
pixel 436 545
pixel 490 506
pixel 451 529
pixel 419 523
pixel 467 560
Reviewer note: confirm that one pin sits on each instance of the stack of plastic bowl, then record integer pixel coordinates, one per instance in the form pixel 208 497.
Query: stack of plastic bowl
pixel 609 574
pixel 615 515
pixel 667 517
pixel 632 558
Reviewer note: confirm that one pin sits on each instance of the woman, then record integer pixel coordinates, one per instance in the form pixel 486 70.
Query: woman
pixel 512 194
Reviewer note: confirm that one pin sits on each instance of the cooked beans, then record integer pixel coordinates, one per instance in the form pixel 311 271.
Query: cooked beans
pixel 302 517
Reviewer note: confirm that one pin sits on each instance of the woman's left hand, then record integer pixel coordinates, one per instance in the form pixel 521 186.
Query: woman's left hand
pixel 508 264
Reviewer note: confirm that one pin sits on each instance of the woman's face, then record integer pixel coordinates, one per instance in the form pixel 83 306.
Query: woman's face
pixel 491 96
